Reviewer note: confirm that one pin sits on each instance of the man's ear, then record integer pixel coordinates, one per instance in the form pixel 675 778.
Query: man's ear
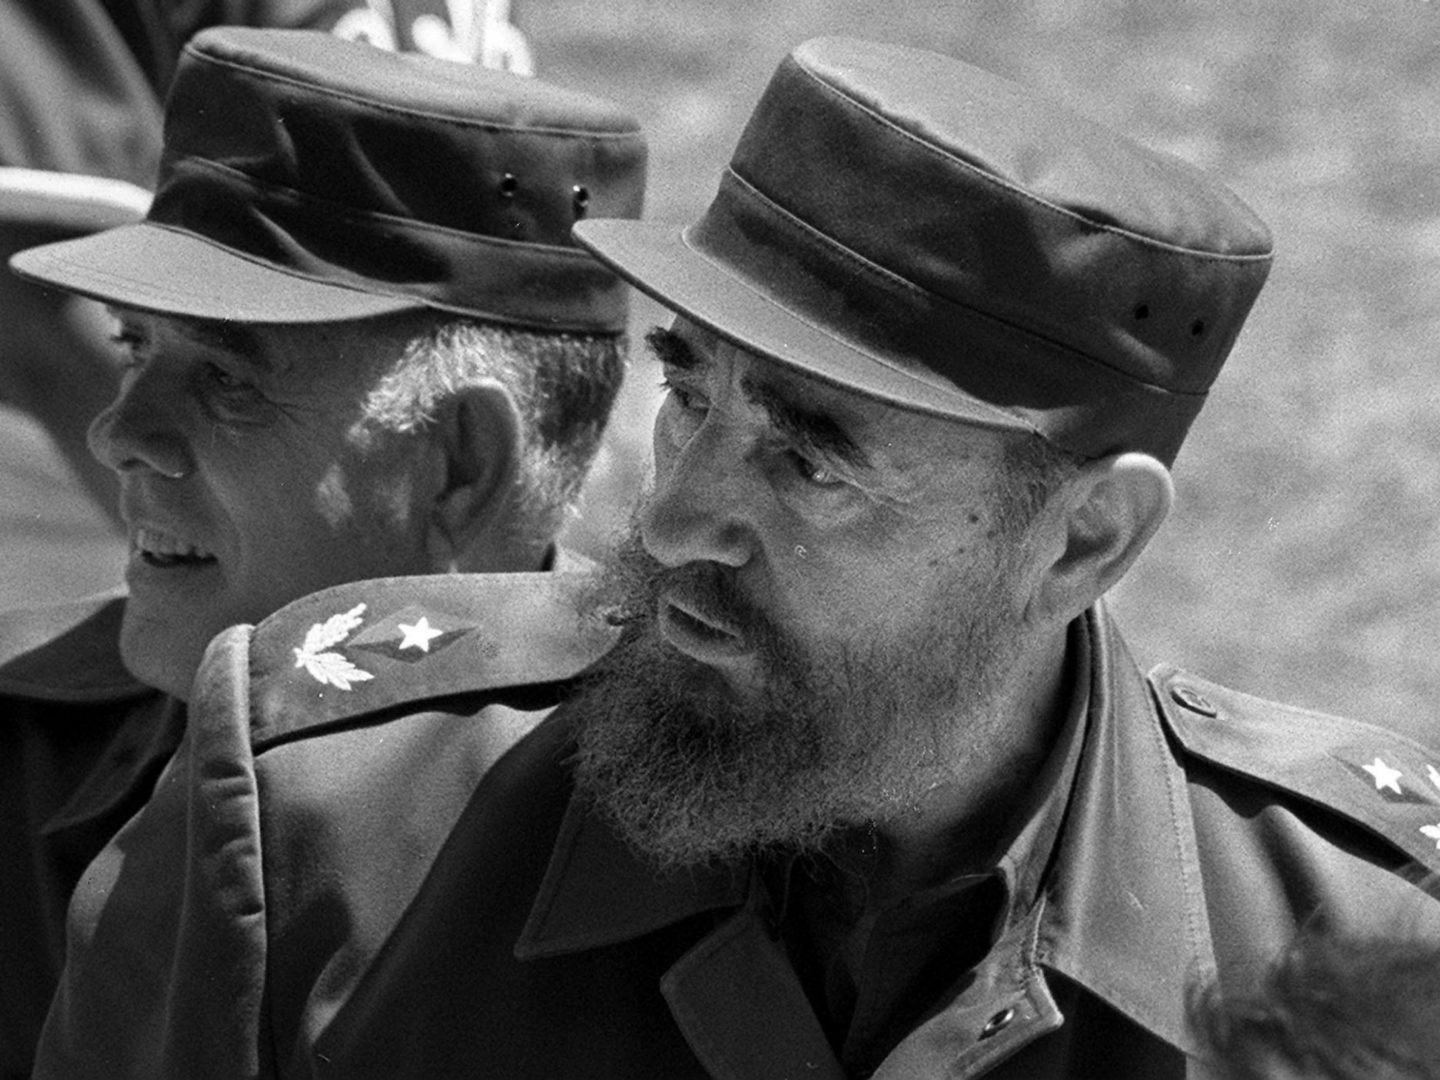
pixel 477 454
pixel 1107 515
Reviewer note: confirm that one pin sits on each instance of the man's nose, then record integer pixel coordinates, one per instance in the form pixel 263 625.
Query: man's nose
pixel 702 508
pixel 140 429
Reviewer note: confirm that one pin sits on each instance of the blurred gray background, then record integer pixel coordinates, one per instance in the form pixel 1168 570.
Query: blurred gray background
pixel 1302 561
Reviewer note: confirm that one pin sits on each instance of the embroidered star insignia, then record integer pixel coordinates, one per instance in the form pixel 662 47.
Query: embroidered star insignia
pixel 411 635
pixel 325 665
pixel 1433 832
pixel 1385 776
pixel 1434 774
pixel 419 635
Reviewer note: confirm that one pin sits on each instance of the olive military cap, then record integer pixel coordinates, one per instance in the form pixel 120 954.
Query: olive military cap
pixel 310 179
pixel 923 232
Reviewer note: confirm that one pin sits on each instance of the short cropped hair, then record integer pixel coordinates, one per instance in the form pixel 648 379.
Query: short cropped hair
pixel 1330 1008
pixel 564 386
pixel 1032 469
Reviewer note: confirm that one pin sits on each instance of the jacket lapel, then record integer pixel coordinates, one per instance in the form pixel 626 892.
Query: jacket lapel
pixel 597 891
pixel 742 1009
pixel 734 994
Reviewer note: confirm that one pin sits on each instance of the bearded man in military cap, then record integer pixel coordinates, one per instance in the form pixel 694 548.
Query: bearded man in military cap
pixel 870 784
pixel 357 343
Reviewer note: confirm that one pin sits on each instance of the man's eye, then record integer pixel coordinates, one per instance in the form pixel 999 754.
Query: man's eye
pixel 812 472
pixel 126 345
pixel 226 380
pixel 684 398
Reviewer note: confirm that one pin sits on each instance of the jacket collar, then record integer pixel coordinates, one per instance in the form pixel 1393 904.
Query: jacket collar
pixel 125 770
pixel 597 891
pixel 67 653
pixel 1125 913
pixel 1121 911
pixel 368 646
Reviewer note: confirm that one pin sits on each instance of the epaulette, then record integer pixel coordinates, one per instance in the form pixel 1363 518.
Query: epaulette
pixel 67 652
pixel 371 646
pixel 1383 780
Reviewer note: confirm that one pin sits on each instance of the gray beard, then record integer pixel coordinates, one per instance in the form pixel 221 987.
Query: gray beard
pixel 689 774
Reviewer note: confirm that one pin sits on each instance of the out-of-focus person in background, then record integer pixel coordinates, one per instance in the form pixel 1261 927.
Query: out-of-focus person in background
pixel 1330 1007
pixel 358 343
pixel 82 83
pixel 81 86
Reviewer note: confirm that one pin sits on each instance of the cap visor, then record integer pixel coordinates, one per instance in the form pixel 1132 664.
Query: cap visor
pixel 152 268
pixel 657 260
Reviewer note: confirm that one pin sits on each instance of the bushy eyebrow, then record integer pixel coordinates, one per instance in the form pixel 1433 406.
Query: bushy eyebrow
pixel 805 425
pixel 670 348
pixel 235 338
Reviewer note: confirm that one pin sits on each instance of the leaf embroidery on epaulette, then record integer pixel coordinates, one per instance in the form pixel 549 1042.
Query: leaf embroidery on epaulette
pixel 330 667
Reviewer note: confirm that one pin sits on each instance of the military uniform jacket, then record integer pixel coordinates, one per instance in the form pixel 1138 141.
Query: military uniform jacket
pixel 1200 828
pixel 81 743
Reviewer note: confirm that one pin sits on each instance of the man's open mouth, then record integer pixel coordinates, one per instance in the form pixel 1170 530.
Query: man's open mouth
pixel 704 635
pixel 165 550
pixel 694 622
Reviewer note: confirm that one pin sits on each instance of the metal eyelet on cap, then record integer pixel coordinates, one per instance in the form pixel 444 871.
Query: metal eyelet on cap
pixel 1194 701
pixel 998 1023
pixel 581 200
pixel 508 184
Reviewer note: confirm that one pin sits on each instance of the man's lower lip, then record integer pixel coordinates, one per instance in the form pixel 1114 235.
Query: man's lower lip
pixel 693 638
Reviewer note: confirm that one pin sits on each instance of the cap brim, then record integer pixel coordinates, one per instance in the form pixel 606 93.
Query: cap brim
pixel 153 268
pixel 656 259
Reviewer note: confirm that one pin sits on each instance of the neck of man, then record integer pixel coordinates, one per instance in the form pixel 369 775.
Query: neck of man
pixel 963 823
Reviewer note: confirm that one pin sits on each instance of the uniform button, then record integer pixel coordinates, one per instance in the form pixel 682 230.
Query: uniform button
pixel 997 1023
pixel 1195 702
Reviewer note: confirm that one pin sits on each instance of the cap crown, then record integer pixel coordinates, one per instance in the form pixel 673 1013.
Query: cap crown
pixel 928 233
pixel 991 196
pixel 414 180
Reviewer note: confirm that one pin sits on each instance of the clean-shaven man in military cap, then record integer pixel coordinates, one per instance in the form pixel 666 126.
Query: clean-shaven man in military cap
pixel 870 785
pixel 358 342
